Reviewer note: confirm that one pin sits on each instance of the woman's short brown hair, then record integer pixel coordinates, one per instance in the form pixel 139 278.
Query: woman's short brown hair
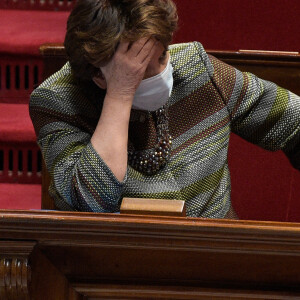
pixel 95 28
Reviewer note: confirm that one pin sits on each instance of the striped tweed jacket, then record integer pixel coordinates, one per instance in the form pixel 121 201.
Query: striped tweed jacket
pixel 209 100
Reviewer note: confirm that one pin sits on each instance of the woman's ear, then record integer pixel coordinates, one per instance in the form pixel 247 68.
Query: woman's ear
pixel 100 80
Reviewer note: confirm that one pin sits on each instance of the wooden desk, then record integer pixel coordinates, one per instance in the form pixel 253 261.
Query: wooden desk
pixel 57 255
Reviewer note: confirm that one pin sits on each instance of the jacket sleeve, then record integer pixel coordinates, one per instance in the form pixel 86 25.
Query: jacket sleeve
pixel 260 111
pixel 80 178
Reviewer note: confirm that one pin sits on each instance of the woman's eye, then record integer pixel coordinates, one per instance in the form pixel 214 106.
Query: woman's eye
pixel 163 56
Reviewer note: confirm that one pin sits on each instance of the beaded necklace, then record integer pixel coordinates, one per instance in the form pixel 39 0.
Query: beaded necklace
pixel 150 161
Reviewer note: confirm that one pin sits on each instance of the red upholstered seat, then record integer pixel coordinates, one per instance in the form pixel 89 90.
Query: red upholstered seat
pixel 20 196
pixel 15 123
pixel 21 68
pixel 20 159
pixel 23 31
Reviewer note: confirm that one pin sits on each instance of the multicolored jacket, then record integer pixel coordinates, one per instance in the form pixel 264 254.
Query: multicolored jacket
pixel 209 100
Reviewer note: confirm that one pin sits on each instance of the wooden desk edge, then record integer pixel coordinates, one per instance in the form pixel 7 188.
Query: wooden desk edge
pixel 45 217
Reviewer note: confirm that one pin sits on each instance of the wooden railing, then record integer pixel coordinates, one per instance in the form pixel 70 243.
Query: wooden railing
pixel 72 256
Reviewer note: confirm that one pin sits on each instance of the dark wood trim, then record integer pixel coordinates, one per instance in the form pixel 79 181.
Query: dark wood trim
pixel 51 49
pixel 15 271
pixel 59 50
pixel 256 56
pixel 47 201
pixel 177 292
pixel 48 283
pixel 93 255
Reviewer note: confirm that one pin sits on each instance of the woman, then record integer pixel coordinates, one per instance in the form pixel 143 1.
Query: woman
pixel 132 116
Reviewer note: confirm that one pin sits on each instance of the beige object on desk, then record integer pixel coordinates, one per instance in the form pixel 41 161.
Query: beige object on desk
pixel 162 207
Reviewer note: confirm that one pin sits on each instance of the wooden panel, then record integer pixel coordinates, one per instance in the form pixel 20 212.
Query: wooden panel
pixel 47 201
pixel 15 271
pixel 54 57
pixel 176 292
pixel 106 256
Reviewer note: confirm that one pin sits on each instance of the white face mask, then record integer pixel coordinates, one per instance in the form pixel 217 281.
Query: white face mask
pixel 154 92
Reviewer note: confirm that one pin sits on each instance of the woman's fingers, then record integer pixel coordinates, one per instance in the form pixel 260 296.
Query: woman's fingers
pixel 123 47
pixel 147 50
pixel 138 51
pixel 123 73
pixel 148 55
pixel 137 46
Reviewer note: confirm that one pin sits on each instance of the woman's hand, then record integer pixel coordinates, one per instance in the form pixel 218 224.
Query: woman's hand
pixel 122 76
pixel 126 69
